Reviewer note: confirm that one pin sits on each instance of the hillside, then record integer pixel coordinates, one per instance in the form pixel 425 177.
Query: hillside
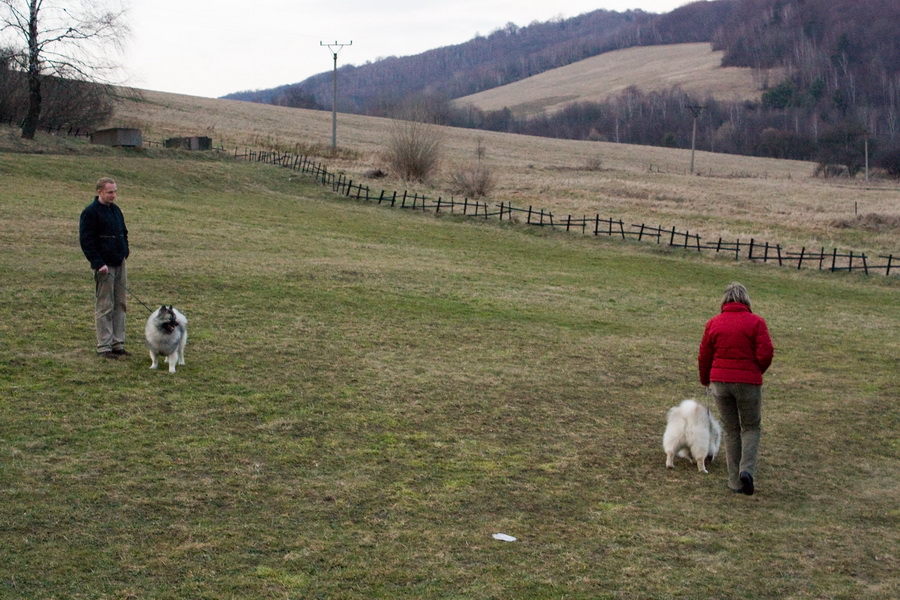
pixel 823 79
pixel 695 68
pixel 736 196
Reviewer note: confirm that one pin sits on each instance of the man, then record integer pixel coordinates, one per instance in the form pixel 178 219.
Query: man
pixel 104 241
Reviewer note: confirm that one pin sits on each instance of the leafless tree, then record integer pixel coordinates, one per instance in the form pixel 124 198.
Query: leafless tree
pixel 67 39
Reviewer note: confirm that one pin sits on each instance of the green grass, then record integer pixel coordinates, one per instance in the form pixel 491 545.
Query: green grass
pixel 370 394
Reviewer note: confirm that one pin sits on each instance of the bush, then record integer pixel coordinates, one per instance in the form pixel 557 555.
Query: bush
pixel 414 149
pixel 889 160
pixel 476 180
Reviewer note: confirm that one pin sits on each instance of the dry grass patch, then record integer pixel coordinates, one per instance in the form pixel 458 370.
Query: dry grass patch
pixel 696 68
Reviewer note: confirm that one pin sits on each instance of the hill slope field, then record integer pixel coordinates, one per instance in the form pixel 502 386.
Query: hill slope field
pixel 734 196
pixel 696 68
pixel 371 394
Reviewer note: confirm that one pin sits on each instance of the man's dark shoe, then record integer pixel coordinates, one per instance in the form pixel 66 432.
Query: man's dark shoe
pixel 108 355
pixel 121 352
pixel 747 483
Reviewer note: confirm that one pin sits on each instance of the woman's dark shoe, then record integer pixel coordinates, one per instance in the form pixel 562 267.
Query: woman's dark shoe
pixel 747 483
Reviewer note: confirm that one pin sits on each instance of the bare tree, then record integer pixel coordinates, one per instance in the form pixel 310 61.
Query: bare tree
pixel 68 39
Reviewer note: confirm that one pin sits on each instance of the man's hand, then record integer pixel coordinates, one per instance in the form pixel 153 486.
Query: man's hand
pixel 103 270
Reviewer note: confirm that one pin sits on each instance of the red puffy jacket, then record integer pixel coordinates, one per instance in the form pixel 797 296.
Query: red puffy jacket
pixel 736 347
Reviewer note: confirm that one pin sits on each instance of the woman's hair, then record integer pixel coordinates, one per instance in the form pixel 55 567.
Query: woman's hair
pixel 735 292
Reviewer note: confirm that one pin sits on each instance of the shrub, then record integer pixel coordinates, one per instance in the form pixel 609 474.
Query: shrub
pixel 414 150
pixel 476 180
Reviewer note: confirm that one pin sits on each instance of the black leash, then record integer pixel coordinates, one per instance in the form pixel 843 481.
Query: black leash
pixel 132 294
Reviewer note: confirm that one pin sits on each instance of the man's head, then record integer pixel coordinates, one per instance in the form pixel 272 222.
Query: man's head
pixel 106 190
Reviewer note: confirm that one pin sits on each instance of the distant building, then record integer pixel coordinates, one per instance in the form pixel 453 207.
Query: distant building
pixel 189 143
pixel 118 136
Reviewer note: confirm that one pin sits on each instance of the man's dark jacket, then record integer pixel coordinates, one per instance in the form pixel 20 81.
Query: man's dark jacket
pixel 104 237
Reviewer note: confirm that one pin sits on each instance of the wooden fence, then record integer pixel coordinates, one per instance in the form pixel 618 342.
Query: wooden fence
pixel 51 129
pixel 830 260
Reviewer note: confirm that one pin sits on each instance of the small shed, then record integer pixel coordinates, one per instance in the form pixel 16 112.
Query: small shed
pixel 117 136
pixel 190 143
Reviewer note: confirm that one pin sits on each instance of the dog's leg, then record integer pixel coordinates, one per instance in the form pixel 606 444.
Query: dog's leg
pixel 701 463
pixel 172 359
pixel 154 359
pixel 670 460
pixel 181 346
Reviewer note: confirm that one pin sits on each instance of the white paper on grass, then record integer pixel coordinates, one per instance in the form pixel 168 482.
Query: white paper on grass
pixel 503 537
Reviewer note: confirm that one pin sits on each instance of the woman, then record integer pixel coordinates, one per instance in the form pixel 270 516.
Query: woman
pixel 735 352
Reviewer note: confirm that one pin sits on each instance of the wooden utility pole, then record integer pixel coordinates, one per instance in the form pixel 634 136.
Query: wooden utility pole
pixel 696 110
pixel 334 84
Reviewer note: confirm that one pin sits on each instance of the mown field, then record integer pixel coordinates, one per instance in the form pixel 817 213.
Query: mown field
pixel 370 395
pixel 695 68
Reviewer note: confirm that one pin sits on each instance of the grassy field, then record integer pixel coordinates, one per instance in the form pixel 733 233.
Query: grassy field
pixel 696 68
pixel 369 395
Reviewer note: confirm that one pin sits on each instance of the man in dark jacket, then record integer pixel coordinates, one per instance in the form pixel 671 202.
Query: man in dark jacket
pixel 104 241
pixel 735 352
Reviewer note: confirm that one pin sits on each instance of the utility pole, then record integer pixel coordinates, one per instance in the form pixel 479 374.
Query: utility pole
pixel 696 110
pixel 335 48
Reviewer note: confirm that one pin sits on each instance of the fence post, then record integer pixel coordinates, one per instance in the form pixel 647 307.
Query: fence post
pixel 529 214
pixel 865 264
pixel 800 262
pixel 597 224
pixel 888 270
pixel 833 259
pixel 778 248
pixel 672 237
pixel 750 255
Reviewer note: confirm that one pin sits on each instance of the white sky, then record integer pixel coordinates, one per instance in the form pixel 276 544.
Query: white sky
pixel 215 47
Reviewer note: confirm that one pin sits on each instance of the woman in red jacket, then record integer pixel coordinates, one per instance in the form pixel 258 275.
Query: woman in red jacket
pixel 735 352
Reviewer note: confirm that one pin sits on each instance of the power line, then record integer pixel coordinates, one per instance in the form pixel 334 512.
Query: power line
pixel 332 47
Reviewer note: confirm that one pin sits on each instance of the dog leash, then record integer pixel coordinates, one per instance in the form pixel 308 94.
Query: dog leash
pixel 708 396
pixel 132 294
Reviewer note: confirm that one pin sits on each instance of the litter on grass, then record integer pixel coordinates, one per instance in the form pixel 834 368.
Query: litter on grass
pixel 503 537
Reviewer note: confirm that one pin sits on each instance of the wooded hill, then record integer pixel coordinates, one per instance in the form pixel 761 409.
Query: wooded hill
pixel 841 89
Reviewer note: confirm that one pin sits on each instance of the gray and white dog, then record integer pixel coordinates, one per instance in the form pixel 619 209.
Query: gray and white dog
pixel 692 432
pixel 166 335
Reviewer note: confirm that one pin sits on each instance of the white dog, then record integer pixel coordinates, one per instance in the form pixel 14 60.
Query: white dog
pixel 166 334
pixel 693 432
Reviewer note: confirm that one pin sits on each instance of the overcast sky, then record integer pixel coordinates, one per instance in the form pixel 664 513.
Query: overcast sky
pixel 215 47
